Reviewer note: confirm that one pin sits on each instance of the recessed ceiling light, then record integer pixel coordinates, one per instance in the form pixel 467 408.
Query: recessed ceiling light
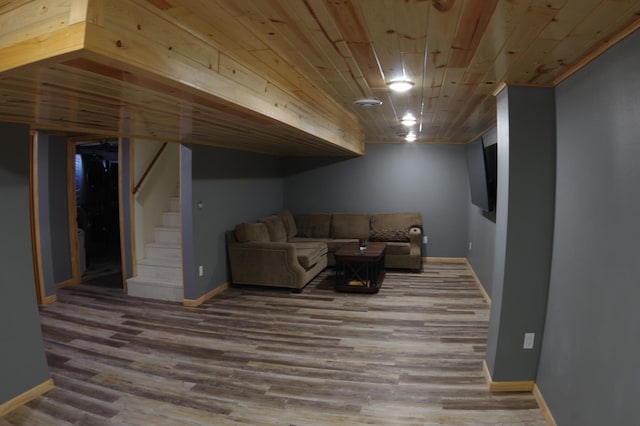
pixel 367 102
pixel 408 120
pixel 411 137
pixel 400 85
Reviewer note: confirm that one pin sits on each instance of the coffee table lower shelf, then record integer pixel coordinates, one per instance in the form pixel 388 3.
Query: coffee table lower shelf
pixel 358 286
pixel 360 271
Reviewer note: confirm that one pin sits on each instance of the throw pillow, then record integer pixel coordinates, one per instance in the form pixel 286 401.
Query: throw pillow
pixel 391 235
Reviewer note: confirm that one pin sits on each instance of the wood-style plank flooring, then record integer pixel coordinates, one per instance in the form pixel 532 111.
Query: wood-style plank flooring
pixel 409 355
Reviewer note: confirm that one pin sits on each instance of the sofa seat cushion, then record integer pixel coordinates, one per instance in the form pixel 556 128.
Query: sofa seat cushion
pixel 310 253
pixel 334 245
pixel 251 232
pixel 396 248
pixel 275 226
pixel 350 225
pixel 309 240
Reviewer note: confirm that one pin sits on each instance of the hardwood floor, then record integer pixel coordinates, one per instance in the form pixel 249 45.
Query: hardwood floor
pixel 409 355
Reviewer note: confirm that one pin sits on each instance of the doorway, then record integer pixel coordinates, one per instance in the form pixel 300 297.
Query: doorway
pixel 97 212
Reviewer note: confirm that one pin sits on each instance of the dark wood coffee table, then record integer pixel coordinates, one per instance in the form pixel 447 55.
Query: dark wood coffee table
pixel 358 270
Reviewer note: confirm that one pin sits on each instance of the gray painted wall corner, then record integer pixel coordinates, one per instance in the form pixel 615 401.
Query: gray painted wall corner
pixel 589 372
pixel 22 358
pixel 524 229
pixel 191 291
pixel 232 187
pixel 431 179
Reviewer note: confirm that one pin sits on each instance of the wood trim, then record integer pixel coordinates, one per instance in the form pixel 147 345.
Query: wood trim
pixel 132 209
pixel 13 5
pixel 512 386
pixel 543 406
pixel 484 293
pixel 121 195
pixel 35 215
pixel 200 300
pixel 25 397
pixel 499 88
pixel 74 248
pixel 503 85
pixel 149 167
pixel 597 52
pixel 32 220
pixel 444 259
pixel 50 299
pixel 63 284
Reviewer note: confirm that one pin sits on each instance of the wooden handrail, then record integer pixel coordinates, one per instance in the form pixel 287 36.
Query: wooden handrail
pixel 149 167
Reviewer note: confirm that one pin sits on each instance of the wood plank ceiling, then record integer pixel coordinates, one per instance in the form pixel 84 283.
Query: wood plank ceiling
pixel 280 76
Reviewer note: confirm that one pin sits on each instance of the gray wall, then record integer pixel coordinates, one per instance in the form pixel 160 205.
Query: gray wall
pixel 124 198
pixel 482 234
pixel 431 179
pixel 233 187
pixel 190 287
pixel 44 214
pixel 589 369
pixel 22 361
pixel 59 209
pixel 524 229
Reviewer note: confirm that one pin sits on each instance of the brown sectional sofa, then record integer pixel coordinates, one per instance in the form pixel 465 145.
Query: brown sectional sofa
pixel 284 250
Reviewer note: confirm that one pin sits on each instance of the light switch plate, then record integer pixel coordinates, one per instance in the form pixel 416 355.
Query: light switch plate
pixel 529 339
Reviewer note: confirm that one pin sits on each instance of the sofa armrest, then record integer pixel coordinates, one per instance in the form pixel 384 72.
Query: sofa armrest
pixel 415 235
pixel 265 263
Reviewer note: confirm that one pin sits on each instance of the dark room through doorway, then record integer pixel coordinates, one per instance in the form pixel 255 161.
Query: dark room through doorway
pixel 97 204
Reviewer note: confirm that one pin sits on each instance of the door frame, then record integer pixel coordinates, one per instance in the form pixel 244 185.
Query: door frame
pixel 34 205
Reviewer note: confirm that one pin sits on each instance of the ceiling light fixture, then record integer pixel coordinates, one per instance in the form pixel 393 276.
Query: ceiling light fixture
pixel 408 120
pixel 400 85
pixel 367 102
pixel 411 137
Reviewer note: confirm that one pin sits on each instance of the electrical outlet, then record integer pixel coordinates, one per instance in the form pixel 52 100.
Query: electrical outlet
pixel 200 270
pixel 470 245
pixel 528 340
pixel 425 239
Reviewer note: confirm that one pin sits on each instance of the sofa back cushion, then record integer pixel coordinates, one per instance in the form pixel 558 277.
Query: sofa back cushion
pixel 251 232
pixel 313 225
pixel 277 233
pixel 350 225
pixel 289 223
pixel 395 221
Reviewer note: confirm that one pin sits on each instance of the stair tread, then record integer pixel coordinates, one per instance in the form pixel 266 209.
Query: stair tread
pixel 167 228
pixel 169 262
pixel 163 244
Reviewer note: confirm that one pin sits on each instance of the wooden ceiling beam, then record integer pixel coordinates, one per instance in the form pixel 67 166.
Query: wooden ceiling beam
pixel 141 55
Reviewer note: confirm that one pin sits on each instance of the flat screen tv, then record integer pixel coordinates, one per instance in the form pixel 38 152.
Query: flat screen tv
pixel 482 163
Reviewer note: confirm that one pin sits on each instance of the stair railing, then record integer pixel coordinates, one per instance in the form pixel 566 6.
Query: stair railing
pixel 148 169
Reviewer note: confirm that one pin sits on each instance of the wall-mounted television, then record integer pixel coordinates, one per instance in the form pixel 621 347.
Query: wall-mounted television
pixel 482 164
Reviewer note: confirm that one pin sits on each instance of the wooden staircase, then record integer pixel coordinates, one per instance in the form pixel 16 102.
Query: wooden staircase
pixel 160 271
